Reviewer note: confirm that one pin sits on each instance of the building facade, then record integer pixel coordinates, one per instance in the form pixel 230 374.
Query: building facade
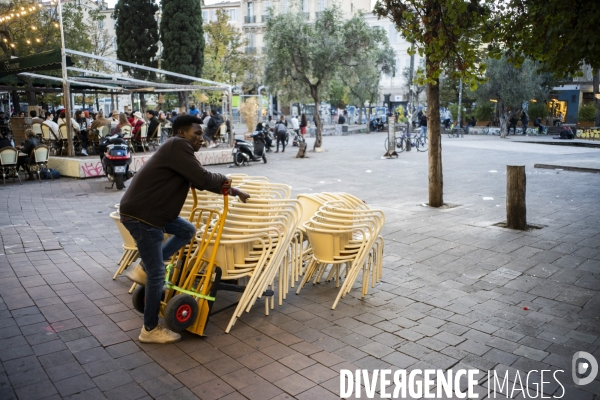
pixel 256 13
pixel 394 88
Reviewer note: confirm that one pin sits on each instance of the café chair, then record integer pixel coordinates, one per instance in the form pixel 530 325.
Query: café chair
pixel 8 163
pixel 39 160
pixel 144 137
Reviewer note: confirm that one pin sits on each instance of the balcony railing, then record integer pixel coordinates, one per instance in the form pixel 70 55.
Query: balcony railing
pixel 250 19
pixel 265 18
pixel 250 50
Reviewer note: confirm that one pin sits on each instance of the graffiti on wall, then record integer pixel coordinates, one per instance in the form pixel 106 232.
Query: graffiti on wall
pixel 91 169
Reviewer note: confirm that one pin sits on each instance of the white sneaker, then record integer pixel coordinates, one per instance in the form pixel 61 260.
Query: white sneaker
pixel 84 152
pixel 160 334
pixel 136 274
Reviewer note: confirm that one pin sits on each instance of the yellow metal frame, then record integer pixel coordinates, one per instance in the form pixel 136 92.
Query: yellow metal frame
pixel 191 271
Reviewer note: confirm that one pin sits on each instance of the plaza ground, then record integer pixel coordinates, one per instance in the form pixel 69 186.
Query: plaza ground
pixel 457 291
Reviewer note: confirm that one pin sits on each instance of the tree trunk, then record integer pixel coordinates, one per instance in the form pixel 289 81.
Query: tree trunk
pixel 31 99
pixel 183 100
pixel 503 120
pixel 16 102
pixel 132 102
pixel 596 83
pixel 436 180
pixel 142 103
pixel 97 103
pixel 516 209
pixel 112 102
pixel 360 118
pixel 314 91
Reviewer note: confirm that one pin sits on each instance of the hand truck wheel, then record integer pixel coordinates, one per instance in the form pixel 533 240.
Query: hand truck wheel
pixel 138 298
pixel 180 312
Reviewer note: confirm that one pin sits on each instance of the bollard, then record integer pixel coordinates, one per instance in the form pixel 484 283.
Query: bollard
pixel 516 208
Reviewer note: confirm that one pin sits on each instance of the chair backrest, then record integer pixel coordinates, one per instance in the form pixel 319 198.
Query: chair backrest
pixel 8 156
pixel 223 129
pixel 103 130
pixel 41 153
pixel 128 240
pixel 37 128
pixel 126 131
pixel 144 131
pixel 46 132
pixel 62 130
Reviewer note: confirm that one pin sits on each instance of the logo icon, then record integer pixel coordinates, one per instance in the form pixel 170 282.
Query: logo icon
pixel 580 367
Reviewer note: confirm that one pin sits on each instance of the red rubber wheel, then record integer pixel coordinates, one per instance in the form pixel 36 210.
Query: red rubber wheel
pixel 180 312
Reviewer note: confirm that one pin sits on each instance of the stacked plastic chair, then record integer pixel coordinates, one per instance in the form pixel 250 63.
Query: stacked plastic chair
pixel 343 231
pixel 130 251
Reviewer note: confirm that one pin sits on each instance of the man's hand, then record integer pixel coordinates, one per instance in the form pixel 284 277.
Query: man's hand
pixel 243 196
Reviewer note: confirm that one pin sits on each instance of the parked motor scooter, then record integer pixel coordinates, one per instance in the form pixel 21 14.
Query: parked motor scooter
pixel 297 138
pixel 116 159
pixel 244 151
pixel 376 124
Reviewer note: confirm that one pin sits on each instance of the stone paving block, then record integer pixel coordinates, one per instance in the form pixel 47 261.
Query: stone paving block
pixel 64 371
pixel 134 360
pixel 161 385
pixel 213 389
pixel 112 380
pixel 131 391
pixel 531 353
pixel 38 390
pixel 73 385
pixel 263 390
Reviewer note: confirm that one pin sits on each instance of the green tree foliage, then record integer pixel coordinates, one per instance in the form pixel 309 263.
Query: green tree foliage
pixel 224 55
pixel 415 84
pixel 304 57
pixel 587 112
pixel 562 35
pixel 362 74
pixel 339 94
pixel 100 41
pixel 31 29
pixel 137 34
pixel 449 34
pixel 513 85
pixel 182 38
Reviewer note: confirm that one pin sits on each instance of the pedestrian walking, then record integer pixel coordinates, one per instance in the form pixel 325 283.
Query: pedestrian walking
pixel 303 125
pixel 150 208
pixel 423 123
pixel 281 133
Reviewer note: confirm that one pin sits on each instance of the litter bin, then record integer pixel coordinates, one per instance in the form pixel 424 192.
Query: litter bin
pixel 344 128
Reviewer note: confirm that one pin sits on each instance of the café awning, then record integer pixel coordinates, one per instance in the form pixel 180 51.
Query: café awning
pixel 43 61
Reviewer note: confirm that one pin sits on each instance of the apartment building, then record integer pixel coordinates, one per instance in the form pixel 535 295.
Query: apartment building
pixel 233 9
pixel 394 88
pixel 256 13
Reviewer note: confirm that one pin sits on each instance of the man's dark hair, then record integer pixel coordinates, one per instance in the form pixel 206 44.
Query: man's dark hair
pixel 152 112
pixel 183 122
pixel 33 113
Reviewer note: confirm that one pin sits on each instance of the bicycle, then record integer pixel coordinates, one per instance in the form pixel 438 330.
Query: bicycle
pixel 456 132
pixel 406 142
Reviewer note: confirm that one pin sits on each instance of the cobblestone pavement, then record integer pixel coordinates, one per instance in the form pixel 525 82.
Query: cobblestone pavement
pixel 457 292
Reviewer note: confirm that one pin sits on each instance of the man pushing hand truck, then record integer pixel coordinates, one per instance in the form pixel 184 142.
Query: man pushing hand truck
pixel 151 206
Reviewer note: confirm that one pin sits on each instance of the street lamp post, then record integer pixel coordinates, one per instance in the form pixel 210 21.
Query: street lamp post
pixel 66 89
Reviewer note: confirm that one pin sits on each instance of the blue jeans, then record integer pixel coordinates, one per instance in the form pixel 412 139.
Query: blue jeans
pixel 153 252
pixel 424 130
